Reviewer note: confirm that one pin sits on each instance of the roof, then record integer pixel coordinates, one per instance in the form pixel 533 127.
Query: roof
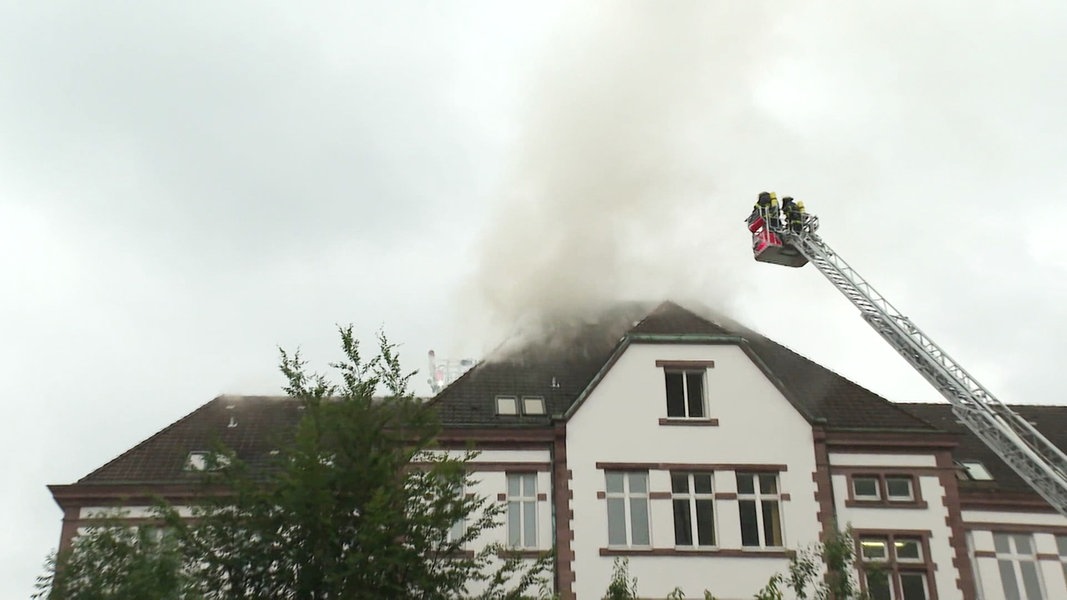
pixel 249 425
pixel 559 365
pixel 1051 421
pixel 820 395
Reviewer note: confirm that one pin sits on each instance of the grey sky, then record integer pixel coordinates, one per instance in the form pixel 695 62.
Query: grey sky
pixel 184 187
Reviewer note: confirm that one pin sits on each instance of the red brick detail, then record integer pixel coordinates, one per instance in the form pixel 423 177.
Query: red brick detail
pixel 725 552
pixel 71 516
pixel 824 491
pixel 957 538
pixel 690 422
pixel 561 498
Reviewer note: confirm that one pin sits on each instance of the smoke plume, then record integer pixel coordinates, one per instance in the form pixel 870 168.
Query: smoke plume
pixel 628 124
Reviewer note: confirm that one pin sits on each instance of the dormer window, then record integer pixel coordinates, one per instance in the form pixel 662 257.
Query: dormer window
pixel 198 461
pixel 975 470
pixel 533 405
pixel 507 405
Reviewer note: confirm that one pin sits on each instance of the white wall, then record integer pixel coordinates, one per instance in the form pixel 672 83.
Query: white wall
pixel 619 422
pixel 930 519
pixel 1040 526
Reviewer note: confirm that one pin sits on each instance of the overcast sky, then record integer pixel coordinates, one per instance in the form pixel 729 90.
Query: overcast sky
pixel 186 186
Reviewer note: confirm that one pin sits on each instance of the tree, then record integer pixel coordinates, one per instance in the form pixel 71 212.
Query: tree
pixel 621 586
pixel 356 503
pixel 821 572
pixel 114 561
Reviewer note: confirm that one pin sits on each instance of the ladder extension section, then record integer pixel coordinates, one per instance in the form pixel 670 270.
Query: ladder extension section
pixel 1040 463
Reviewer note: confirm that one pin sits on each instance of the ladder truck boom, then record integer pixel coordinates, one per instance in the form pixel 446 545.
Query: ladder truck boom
pixel 787 236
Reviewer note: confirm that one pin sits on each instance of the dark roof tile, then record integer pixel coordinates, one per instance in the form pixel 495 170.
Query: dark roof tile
pixel 1051 421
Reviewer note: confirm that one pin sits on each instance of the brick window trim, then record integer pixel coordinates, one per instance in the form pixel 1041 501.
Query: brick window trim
pixel 602 495
pixel 691 467
pixel 891 565
pixel 541 497
pixel 687 422
pixel 515 553
pixel 884 501
pixel 683 365
pixel 1045 556
pixel 697 552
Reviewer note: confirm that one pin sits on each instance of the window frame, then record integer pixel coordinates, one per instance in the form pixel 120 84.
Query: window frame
pixel 685 368
pixel 514 404
pixel 877 497
pixel 693 498
pixel 759 497
pixel 458 529
pixel 628 497
pixel 969 467
pixel 1061 548
pixel 1016 559
pixel 891 498
pixel 884 500
pixel 539 399
pixel 892 566
pixel 525 503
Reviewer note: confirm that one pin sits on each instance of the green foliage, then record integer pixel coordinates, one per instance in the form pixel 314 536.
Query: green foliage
pixel 821 572
pixel 116 562
pixel 621 587
pixel 354 505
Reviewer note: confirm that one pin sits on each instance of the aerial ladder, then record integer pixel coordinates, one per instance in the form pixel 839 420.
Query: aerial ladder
pixel 786 235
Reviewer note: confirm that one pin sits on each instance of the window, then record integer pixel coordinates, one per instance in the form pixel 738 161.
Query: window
pixel 627 502
pixel 694 509
pixel 976 471
pixel 884 490
pixel 898 489
pixel 1061 545
pixel 200 460
pixel 685 394
pixel 506 405
pixel 866 488
pixel 533 405
pixel 455 533
pixel 759 502
pixel 522 510
pixel 1018 566
pixel 510 405
pixel 895 567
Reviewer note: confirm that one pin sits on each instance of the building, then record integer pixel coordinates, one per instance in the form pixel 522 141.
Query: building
pixel 705 454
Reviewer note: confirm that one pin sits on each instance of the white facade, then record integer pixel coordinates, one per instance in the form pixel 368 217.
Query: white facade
pixel 1017 552
pixel 619 423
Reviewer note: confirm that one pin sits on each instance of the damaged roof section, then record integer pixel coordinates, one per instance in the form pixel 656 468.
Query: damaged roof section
pixel 557 367
pixel 820 395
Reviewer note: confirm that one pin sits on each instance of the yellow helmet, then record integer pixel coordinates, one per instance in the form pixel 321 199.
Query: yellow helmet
pixel 800 205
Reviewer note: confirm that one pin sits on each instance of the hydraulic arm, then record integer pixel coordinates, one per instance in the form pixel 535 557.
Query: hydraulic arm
pixel 1013 438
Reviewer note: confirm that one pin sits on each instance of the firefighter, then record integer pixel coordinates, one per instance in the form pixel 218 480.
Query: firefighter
pixel 763 204
pixel 791 214
pixel 800 217
pixel 773 214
